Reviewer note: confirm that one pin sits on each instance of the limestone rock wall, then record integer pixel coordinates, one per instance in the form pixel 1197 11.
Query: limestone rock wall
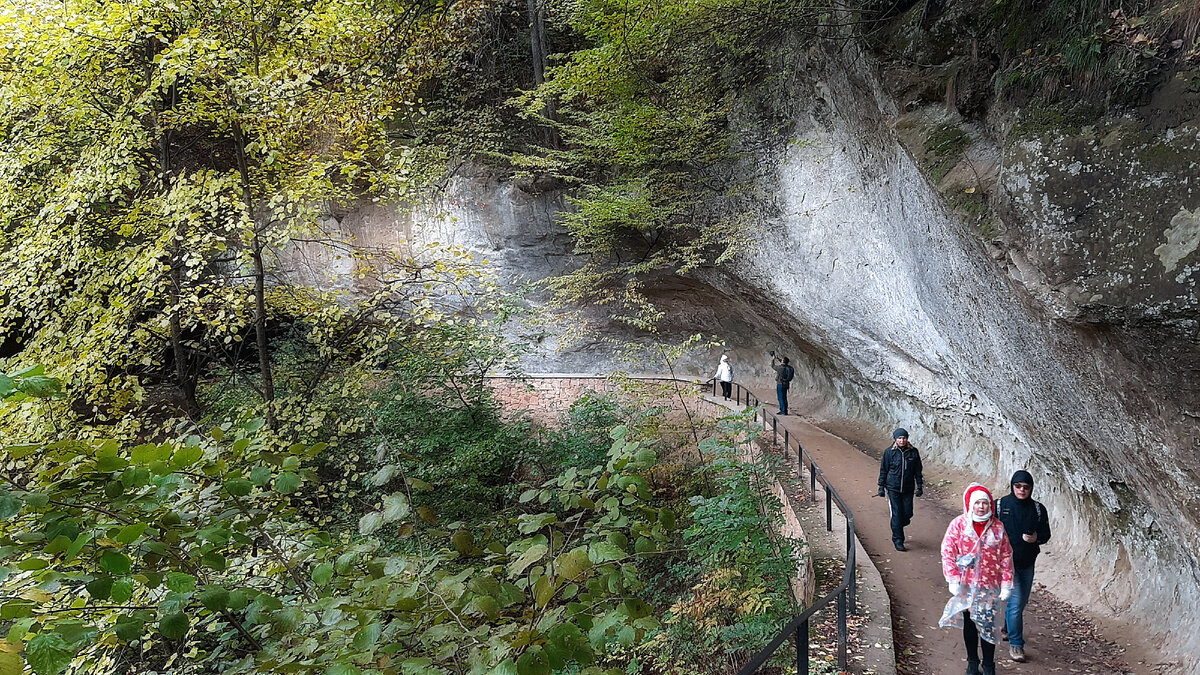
pixel 919 325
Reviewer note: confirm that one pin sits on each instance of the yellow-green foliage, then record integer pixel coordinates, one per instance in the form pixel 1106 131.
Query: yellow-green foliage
pixel 150 150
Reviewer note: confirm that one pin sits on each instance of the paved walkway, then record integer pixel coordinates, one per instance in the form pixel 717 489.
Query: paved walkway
pixel 1057 635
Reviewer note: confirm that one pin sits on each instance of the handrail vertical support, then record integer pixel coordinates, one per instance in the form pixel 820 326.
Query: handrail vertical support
pixel 802 649
pixel 828 509
pixel 812 479
pixel 843 638
pixel 852 565
pixel 842 631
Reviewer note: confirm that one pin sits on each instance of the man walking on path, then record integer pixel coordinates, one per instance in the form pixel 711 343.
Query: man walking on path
pixel 901 475
pixel 1028 528
pixel 783 379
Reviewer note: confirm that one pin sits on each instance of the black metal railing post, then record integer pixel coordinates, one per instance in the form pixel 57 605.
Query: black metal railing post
pixel 802 648
pixel 852 563
pixel 828 507
pixel 842 630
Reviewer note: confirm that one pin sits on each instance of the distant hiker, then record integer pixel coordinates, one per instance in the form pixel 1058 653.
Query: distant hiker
pixel 900 473
pixel 784 373
pixel 725 376
pixel 978 566
pixel 1028 527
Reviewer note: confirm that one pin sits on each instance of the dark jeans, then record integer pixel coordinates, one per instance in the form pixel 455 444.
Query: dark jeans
pixel 901 504
pixel 972 641
pixel 781 392
pixel 726 389
pixel 1014 615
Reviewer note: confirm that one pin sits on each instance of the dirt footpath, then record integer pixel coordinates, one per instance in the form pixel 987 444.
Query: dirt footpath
pixel 1059 638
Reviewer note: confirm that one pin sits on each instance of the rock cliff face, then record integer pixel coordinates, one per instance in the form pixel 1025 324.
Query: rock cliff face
pixel 1000 352
pixel 1056 333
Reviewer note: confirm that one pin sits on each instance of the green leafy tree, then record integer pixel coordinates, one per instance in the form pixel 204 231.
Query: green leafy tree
pixel 193 552
pixel 155 154
pixel 738 569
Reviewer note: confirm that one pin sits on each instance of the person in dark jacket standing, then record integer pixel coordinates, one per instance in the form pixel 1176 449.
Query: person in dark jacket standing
pixel 901 476
pixel 1028 527
pixel 784 373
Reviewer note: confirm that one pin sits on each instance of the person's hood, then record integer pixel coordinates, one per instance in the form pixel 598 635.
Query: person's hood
pixel 975 492
pixel 1021 476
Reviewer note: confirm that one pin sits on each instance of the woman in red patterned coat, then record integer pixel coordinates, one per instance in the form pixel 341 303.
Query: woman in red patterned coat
pixel 978 566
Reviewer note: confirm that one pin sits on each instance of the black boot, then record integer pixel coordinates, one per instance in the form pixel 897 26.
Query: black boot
pixel 988 668
pixel 972 667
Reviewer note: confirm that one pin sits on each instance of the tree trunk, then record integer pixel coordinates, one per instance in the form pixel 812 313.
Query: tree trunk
pixel 260 278
pixel 540 52
pixel 185 374
pixel 537 41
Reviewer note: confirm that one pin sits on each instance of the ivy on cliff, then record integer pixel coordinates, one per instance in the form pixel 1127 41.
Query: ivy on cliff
pixel 646 109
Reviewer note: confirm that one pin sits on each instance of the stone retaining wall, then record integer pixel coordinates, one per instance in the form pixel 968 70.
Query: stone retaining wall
pixel 546 397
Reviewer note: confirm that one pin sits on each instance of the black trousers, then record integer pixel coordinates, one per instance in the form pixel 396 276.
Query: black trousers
pixel 972 641
pixel 901 504
pixel 726 389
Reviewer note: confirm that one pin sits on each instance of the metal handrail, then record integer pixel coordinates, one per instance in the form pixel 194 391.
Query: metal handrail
pixel 846 592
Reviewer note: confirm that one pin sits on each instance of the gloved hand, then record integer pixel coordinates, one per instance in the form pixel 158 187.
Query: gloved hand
pixel 955 588
pixel 1005 593
pixel 880 493
pixel 920 490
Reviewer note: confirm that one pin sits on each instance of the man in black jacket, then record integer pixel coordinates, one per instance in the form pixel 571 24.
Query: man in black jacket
pixel 784 373
pixel 1028 528
pixel 901 475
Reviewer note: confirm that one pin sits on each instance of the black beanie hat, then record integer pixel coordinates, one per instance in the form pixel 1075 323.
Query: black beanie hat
pixel 1022 476
pixel 898 433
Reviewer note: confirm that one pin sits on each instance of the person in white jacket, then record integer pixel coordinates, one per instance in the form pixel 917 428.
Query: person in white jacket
pixel 725 376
